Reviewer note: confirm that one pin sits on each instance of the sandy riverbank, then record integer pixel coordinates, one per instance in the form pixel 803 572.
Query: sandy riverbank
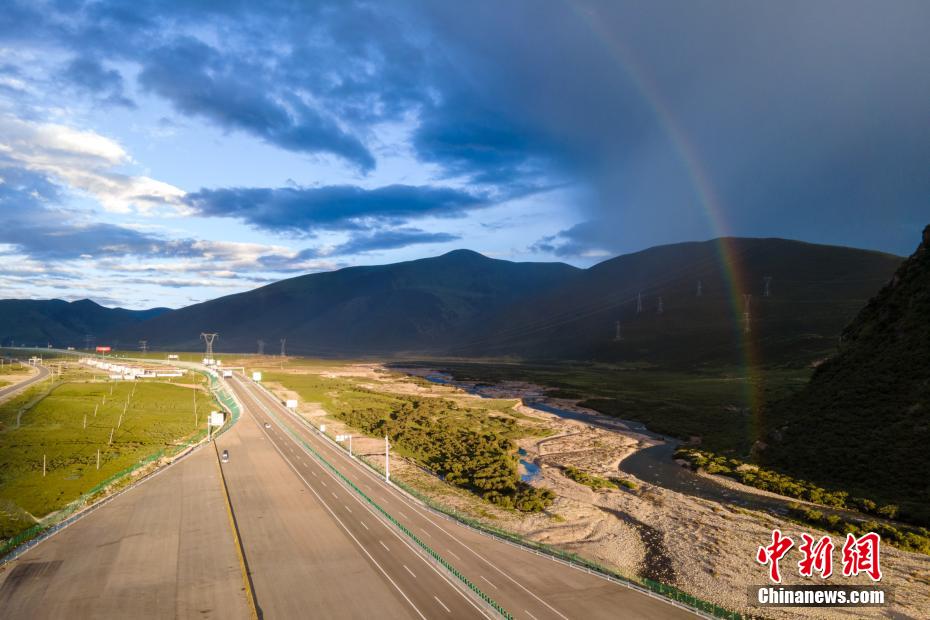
pixel 704 547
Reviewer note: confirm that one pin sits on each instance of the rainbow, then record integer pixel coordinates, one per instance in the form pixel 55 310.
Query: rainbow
pixel 707 197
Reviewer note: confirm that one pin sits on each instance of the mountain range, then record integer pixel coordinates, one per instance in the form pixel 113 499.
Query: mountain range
pixel 464 304
pixel 863 421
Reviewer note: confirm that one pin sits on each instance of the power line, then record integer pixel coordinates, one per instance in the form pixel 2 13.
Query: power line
pixel 283 343
pixel 261 347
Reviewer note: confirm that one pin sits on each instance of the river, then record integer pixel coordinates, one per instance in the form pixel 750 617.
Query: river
pixel 654 464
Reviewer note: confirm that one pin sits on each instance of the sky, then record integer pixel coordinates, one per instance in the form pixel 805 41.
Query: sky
pixel 162 153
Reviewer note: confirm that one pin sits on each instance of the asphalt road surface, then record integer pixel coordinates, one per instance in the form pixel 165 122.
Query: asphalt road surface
pixel 163 549
pixel 312 544
pixel 525 584
pixel 10 390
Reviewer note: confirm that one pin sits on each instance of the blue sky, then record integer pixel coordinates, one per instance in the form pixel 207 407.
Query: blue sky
pixel 164 153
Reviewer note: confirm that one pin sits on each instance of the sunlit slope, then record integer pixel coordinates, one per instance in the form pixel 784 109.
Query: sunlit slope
pixel 863 422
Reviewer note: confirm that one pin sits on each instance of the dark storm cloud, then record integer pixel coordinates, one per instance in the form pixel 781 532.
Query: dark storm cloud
pixel 304 210
pixel 391 239
pixel 90 76
pixel 799 119
pixel 201 82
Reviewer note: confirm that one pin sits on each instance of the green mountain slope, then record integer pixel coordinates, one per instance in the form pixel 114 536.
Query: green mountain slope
pixel 863 422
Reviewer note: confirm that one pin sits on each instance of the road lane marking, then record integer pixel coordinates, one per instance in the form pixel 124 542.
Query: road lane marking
pixel 530 615
pixel 488 581
pixel 443 604
pixel 425 532
pixel 362 523
pixel 352 536
pixel 385 546
pixel 454 554
pixel 347 508
pixel 396 534
pixel 410 571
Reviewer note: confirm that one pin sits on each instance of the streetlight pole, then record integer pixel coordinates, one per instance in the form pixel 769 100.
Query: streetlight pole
pixel 387 461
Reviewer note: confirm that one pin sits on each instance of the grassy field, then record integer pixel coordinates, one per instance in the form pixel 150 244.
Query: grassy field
pixel 48 421
pixel 11 373
pixel 469 446
pixel 712 404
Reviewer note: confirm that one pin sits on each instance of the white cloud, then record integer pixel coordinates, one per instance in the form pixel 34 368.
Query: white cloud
pixel 84 160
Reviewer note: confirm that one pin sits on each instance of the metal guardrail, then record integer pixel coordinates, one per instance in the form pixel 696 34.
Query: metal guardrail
pixel 426 548
pixel 649 587
pixel 18 544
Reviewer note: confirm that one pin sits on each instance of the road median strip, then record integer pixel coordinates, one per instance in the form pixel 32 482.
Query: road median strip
pixel 422 545
pixel 240 551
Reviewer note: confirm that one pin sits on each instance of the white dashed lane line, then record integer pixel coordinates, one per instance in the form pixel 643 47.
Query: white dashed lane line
pixel 443 604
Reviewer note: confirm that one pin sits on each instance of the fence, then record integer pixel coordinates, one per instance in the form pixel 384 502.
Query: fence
pixel 426 548
pixel 644 584
pixel 17 544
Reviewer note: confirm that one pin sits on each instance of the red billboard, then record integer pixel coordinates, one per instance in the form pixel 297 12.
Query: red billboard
pixel 103 349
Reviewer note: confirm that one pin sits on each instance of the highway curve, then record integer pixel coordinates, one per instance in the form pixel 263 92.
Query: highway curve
pixel 15 388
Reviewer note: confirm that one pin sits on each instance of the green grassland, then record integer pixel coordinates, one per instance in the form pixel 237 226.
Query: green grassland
pixel 469 446
pixel 714 404
pixel 11 373
pixel 51 424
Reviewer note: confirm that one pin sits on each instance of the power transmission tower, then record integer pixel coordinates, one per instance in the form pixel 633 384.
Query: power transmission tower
pixel 283 342
pixel 639 303
pixel 661 306
pixel 747 298
pixel 209 338
pixel 144 346
pixel 768 286
pixel 88 341
pixel 261 347
pixel 700 288
pixel 618 337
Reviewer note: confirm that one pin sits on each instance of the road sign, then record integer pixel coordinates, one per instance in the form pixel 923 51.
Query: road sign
pixel 341 437
pixel 256 376
pixel 322 428
pixel 217 418
pixel 291 403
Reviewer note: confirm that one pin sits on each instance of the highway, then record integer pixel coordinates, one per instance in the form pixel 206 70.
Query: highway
pixel 312 544
pixel 525 584
pixel 163 549
pixel 16 388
